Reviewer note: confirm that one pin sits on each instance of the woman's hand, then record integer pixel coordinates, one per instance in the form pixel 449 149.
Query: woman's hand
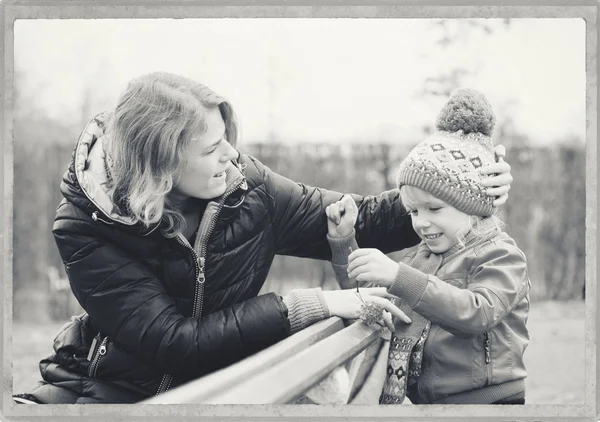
pixel 372 266
pixel 499 182
pixel 341 217
pixel 347 304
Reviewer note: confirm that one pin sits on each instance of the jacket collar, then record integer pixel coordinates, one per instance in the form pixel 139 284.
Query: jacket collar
pixel 472 239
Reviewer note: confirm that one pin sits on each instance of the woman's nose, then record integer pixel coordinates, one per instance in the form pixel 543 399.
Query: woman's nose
pixel 230 153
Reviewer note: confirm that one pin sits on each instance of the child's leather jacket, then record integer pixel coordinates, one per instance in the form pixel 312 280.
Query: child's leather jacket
pixel 478 303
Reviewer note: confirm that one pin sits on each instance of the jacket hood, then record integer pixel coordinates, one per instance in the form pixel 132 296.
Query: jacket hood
pixel 86 182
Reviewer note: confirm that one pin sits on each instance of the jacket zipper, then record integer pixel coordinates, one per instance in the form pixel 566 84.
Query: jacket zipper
pixel 98 355
pixel 167 379
pixel 488 356
pixel 199 261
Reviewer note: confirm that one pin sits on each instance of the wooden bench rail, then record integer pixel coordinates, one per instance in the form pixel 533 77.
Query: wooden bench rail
pixel 198 391
pixel 281 373
pixel 288 380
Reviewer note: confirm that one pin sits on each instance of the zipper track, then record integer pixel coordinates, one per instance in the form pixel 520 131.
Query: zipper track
pixel 98 355
pixel 199 261
pixel 167 379
pixel 488 356
pixel 204 245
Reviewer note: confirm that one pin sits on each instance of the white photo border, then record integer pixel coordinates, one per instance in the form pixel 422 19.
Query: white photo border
pixel 79 9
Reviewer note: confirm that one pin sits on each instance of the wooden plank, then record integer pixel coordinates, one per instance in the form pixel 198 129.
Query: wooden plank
pixel 198 391
pixel 287 380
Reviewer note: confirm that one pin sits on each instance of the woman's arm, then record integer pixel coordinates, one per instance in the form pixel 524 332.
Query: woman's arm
pixel 300 224
pixel 128 303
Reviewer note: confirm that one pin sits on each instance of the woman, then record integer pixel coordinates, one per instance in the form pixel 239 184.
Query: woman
pixel 167 234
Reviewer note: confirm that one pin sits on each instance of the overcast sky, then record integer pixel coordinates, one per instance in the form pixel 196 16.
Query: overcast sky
pixel 316 79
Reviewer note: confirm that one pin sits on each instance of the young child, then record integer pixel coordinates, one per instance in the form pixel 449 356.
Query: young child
pixel 465 287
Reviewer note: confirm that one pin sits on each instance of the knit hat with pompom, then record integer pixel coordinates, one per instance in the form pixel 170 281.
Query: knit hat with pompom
pixel 447 164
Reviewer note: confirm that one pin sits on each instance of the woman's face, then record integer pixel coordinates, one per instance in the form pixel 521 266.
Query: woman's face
pixel 207 158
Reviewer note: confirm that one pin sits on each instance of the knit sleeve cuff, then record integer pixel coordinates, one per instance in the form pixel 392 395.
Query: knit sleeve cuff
pixel 305 307
pixel 410 284
pixel 340 248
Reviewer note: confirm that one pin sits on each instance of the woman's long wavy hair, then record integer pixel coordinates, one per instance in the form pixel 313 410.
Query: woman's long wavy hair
pixel 152 125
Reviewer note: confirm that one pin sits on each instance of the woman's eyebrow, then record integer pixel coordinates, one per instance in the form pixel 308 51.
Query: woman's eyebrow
pixel 214 144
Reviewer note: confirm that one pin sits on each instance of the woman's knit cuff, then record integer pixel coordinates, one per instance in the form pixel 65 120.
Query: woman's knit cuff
pixel 339 248
pixel 305 307
pixel 410 284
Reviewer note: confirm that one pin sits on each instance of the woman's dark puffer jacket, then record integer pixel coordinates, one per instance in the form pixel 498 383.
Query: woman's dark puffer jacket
pixel 144 293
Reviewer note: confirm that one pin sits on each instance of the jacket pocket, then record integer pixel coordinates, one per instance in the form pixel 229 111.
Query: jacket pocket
pixel 447 365
pixel 111 363
pixel 71 345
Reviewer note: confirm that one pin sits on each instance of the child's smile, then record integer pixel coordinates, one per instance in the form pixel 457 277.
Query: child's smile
pixel 437 223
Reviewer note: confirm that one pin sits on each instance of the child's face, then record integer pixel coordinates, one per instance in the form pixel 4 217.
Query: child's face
pixel 437 223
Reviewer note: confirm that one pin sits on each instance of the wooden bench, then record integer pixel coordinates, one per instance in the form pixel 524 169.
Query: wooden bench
pixel 283 372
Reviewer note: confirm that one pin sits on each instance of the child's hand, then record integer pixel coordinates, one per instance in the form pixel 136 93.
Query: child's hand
pixel 341 217
pixel 499 182
pixel 372 266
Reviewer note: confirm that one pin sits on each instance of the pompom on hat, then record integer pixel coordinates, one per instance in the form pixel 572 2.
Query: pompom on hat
pixel 447 164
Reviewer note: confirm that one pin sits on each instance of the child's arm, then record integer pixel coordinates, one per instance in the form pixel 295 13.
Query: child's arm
pixel 498 281
pixel 341 218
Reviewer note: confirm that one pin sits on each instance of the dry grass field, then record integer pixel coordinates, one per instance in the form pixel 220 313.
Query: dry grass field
pixel 555 358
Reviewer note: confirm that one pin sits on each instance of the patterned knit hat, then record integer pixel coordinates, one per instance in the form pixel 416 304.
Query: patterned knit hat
pixel 447 164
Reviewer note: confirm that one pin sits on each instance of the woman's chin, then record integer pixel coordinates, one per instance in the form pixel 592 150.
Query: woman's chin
pixel 218 188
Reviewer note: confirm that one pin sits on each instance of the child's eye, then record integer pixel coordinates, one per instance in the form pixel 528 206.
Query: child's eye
pixel 413 212
pixel 435 208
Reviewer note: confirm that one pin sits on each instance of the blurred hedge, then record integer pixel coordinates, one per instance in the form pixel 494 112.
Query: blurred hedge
pixel 545 212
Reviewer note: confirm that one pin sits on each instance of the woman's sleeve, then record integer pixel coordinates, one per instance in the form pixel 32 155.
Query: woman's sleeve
pixel 300 223
pixel 127 302
pixel 498 282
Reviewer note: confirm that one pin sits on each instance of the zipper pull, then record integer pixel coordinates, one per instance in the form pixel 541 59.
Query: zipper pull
pixel 96 218
pixel 486 345
pixel 102 350
pixel 201 276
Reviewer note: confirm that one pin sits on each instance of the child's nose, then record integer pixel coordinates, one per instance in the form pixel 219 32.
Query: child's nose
pixel 422 223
